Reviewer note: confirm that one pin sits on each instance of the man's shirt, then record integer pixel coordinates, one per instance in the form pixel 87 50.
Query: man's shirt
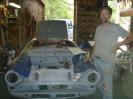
pixel 106 37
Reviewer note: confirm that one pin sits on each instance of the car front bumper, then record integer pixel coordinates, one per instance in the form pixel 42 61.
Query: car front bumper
pixel 51 94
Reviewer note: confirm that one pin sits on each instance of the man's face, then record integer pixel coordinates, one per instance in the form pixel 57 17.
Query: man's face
pixel 105 16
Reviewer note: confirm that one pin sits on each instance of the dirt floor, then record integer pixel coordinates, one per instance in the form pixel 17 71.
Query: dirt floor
pixel 123 89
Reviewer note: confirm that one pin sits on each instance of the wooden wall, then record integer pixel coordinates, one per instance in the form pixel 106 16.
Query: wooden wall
pixel 86 18
pixel 16 29
pixel 36 8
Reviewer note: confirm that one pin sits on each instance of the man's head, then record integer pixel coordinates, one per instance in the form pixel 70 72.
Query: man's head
pixel 105 14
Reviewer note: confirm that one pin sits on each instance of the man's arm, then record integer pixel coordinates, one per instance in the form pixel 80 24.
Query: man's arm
pixel 124 42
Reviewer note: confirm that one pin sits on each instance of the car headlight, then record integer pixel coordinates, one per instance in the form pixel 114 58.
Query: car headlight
pixel 93 77
pixel 12 78
pixel 76 76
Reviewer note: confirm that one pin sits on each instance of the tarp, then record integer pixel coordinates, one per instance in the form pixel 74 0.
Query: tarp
pixel 23 66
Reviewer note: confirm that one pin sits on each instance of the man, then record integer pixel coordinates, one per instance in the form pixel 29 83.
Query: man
pixel 106 44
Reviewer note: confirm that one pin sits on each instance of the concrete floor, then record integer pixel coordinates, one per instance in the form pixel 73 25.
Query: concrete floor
pixel 123 89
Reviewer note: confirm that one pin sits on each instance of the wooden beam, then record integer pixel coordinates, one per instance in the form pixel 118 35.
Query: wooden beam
pixel 126 13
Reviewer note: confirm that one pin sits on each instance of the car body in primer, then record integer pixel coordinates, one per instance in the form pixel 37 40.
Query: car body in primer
pixel 51 67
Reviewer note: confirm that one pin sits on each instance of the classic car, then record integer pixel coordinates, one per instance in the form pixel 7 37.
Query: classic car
pixel 52 69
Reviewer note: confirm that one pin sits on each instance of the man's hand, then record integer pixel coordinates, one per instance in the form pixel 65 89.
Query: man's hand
pixel 89 59
pixel 116 47
pixel 124 42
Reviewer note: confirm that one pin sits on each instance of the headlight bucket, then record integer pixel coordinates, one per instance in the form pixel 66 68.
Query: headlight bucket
pixel 12 78
pixel 93 77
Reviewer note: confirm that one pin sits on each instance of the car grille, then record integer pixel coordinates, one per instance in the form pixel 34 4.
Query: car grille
pixel 53 75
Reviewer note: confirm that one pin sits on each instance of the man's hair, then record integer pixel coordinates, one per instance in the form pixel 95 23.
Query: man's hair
pixel 109 9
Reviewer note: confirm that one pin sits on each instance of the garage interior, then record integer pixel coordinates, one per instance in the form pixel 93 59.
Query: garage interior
pixel 18 27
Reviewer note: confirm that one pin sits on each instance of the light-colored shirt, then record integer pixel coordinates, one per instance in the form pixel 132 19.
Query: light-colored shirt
pixel 106 37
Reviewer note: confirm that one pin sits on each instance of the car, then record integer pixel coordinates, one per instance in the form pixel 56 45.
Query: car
pixel 51 68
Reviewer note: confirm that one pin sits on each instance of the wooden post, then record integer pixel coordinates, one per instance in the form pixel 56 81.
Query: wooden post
pixel 2 36
pixel 75 21
pixel 131 29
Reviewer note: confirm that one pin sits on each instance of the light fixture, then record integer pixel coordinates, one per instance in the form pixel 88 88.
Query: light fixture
pixel 14 5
